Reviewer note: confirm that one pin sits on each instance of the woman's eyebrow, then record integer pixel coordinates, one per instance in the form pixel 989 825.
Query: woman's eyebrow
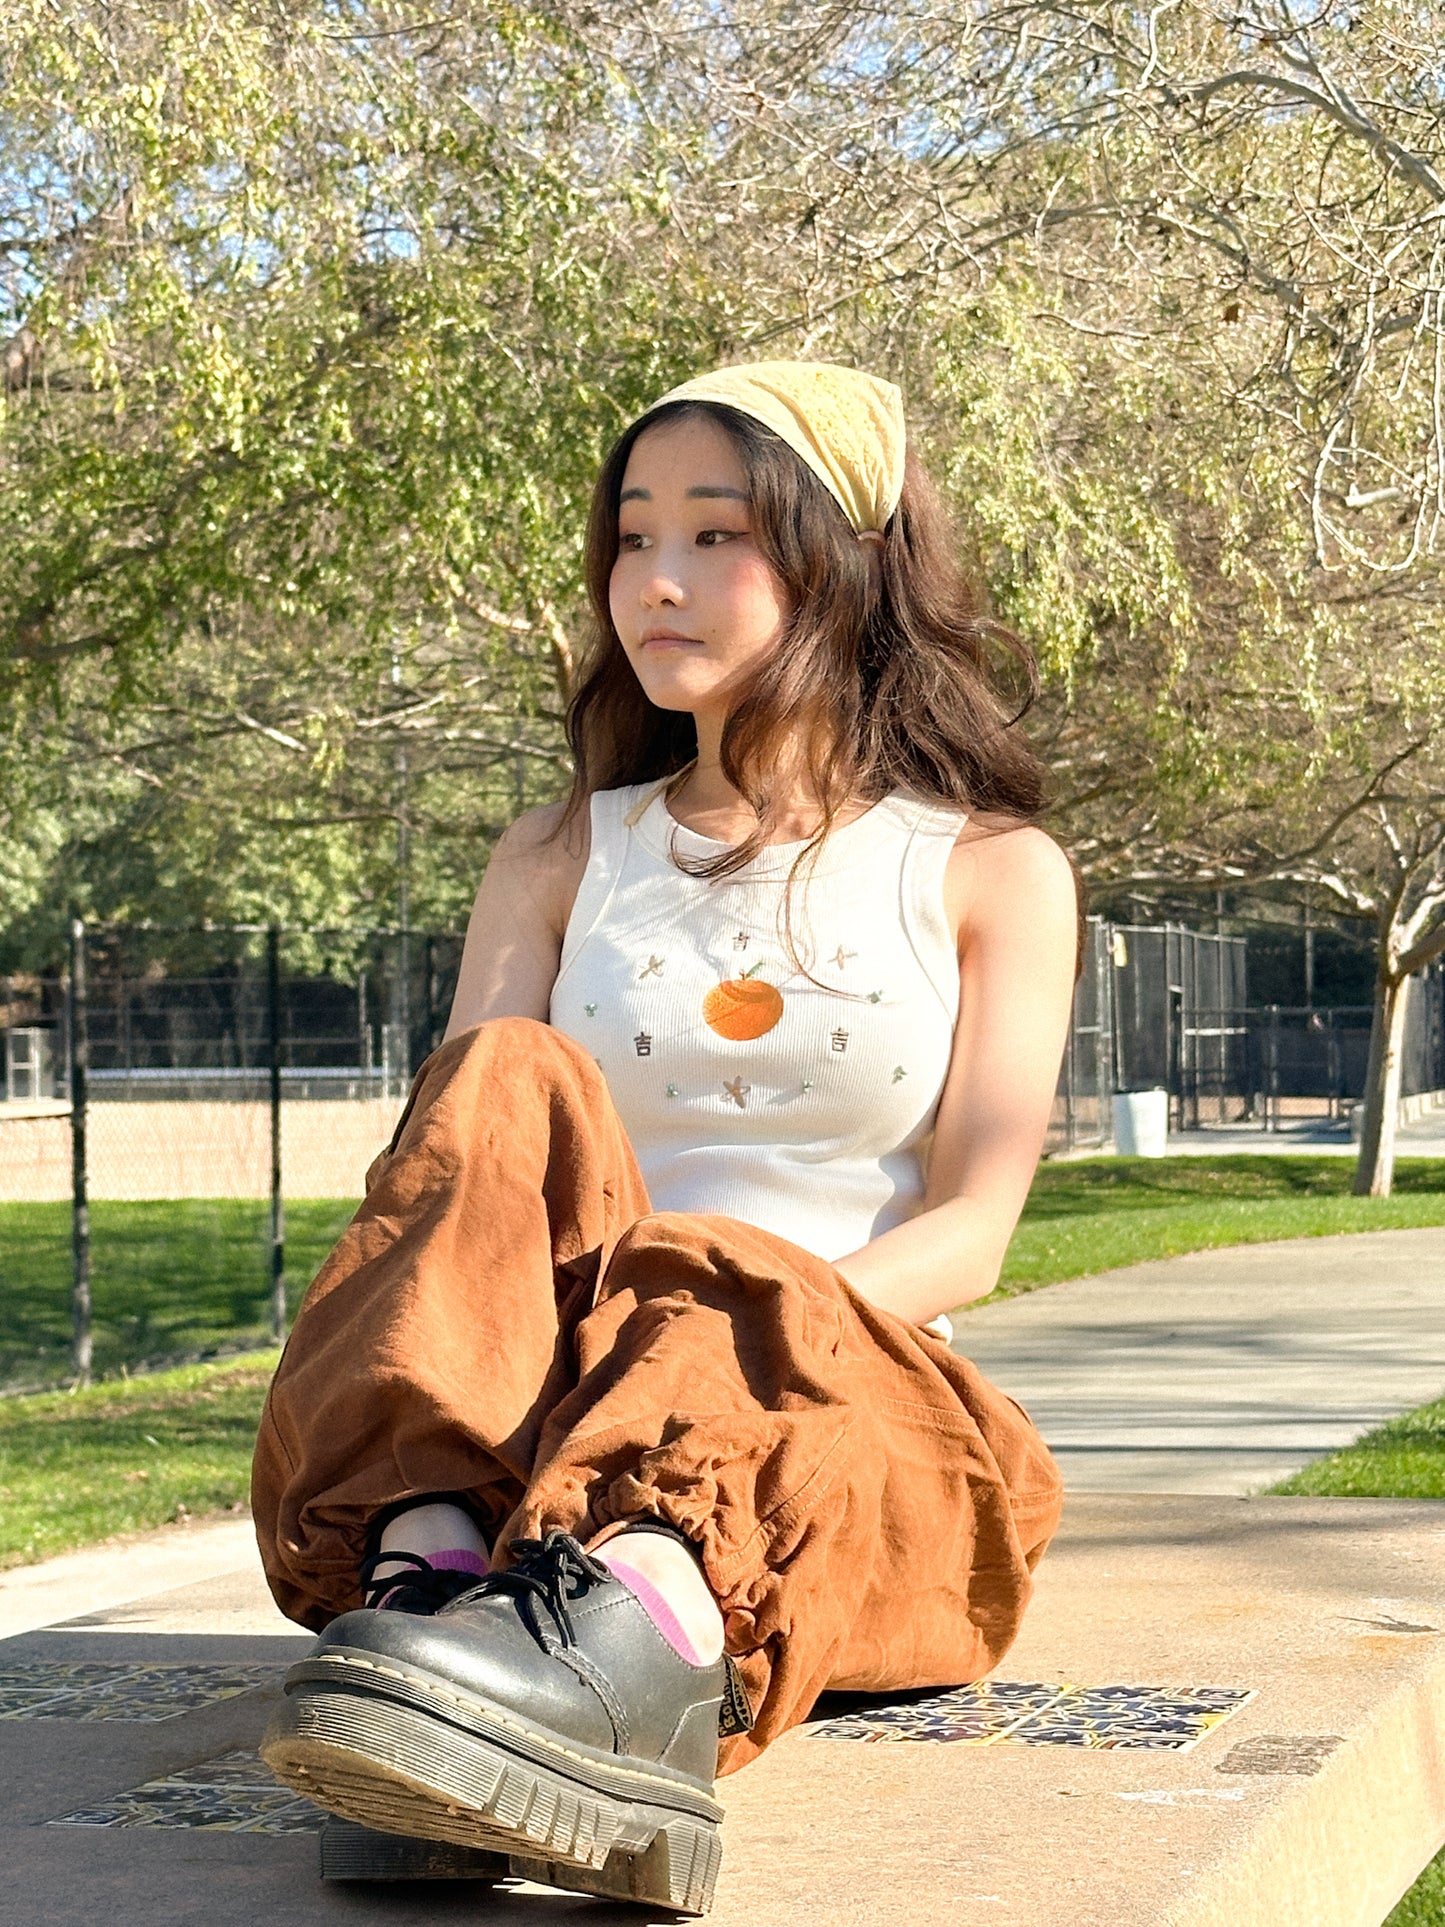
pixel 705 491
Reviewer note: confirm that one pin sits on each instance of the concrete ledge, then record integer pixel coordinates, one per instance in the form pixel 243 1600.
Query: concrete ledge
pixel 1314 1805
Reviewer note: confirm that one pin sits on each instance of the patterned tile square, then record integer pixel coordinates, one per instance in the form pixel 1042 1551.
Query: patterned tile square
pixel 995 1712
pixel 968 1714
pixel 107 1690
pixel 234 1793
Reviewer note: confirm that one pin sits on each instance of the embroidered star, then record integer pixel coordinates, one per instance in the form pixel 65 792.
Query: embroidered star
pixel 841 956
pixel 653 968
pixel 738 1092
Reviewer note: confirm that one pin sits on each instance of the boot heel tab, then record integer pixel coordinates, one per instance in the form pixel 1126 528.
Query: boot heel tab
pixel 735 1715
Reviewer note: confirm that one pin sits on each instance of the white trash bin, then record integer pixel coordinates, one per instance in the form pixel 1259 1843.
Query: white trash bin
pixel 1141 1123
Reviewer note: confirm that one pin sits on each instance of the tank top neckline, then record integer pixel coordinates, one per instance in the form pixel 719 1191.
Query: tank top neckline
pixel 657 826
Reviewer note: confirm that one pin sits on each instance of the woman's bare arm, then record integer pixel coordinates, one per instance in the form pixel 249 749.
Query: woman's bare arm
pixel 1017 945
pixel 514 936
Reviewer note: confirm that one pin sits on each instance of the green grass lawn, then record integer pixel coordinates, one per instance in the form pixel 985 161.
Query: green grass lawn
pixel 1402 1459
pixel 170 1280
pixel 1091 1214
pixel 77 1467
pixel 1424 1905
pixel 179 1281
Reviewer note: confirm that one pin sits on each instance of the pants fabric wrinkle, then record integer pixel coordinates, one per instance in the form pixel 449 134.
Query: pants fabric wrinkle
pixel 506 1316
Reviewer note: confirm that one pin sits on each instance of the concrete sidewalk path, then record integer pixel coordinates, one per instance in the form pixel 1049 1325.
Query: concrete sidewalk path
pixel 1221 1371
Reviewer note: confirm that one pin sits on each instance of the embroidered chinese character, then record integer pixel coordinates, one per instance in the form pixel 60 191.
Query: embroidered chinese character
pixel 740 941
pixel 642 1044
pixel 652 968
pixel 840 1040
pixel 738 1092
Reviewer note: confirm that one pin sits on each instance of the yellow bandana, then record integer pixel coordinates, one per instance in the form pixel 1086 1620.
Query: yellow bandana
pixel 847 426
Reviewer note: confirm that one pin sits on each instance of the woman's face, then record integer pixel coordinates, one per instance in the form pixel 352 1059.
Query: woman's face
pixel 694 602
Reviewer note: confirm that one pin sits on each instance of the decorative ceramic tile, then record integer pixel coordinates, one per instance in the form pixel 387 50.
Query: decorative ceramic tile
pixel 234 1793
pixel 110 1690
pixel 1025 1714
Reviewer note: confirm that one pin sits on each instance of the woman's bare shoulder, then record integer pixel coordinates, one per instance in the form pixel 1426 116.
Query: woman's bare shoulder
pixel 1000 865
pixel 550 864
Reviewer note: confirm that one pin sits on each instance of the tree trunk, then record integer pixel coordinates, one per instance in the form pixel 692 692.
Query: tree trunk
pixel 1376 1165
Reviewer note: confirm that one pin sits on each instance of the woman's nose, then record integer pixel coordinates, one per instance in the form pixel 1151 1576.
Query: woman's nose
pixel 662 589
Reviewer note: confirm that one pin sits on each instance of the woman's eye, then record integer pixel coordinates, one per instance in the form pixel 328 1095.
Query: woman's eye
pixel 709 538
pixel 631 541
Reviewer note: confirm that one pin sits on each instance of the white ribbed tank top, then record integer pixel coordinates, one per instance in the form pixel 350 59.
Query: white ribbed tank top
pixel 744 1088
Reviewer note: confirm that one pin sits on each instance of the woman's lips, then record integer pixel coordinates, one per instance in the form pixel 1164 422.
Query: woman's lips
pixel 670 642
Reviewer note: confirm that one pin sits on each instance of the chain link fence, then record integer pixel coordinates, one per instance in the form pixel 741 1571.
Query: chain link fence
pixel 1161 1007
pixel 187 1120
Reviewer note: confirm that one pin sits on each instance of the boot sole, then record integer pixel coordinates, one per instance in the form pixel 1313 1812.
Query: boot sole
pixel 402 1754
pixel 351 1852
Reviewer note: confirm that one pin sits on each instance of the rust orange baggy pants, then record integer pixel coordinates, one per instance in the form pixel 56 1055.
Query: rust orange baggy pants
pixel 506 1316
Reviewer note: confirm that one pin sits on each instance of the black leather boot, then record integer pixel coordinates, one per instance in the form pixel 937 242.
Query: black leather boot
pixel 539 1714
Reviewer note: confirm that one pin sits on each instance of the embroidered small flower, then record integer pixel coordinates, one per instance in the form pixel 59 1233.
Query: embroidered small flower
pixel 591 1009
pixel 652 968
pixel 807 1084
pixel 672 1090
pixel 875 996
pixel 738 1092
pixel 899 1073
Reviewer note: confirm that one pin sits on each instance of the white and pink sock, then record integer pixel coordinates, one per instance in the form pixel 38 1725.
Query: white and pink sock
pixel 653 1603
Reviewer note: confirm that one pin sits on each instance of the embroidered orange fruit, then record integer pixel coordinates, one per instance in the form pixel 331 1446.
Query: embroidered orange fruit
pixel 740 1007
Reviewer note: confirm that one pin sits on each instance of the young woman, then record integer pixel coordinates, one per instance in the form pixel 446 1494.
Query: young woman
pixel 620 1419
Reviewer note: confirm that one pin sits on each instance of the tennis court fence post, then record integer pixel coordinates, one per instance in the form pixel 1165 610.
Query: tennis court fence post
pixel 78 1028
pixel 278 1208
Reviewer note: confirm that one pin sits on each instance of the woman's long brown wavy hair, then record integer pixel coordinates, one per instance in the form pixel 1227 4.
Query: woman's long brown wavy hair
pixel 886 674
pixel 889 673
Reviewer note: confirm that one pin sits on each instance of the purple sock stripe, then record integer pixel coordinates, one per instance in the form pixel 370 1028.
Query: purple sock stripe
pixel 655 1606
pixel 459 1559
pixel 454 1559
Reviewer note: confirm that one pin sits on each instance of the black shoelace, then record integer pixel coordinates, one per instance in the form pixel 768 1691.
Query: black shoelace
pixel 548 1572
pixel 424 1589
